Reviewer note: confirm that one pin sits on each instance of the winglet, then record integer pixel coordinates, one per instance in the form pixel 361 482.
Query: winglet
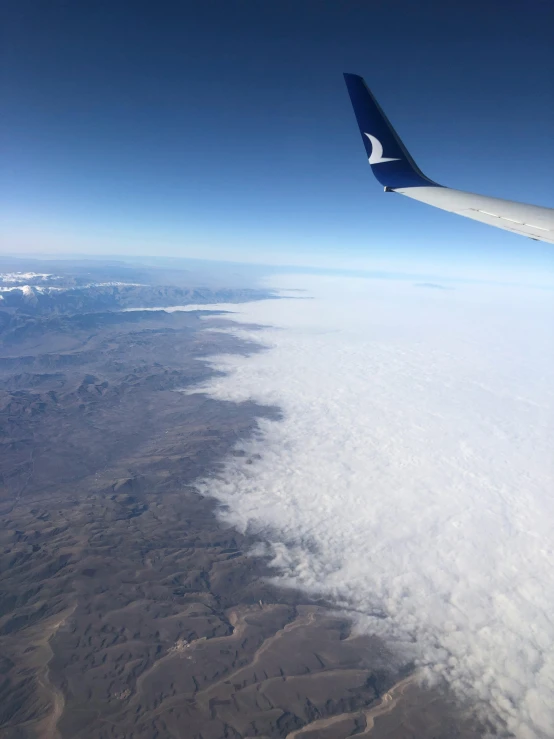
pixel 390 161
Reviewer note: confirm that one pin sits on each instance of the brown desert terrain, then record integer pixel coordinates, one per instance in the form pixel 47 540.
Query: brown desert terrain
pixel 127 609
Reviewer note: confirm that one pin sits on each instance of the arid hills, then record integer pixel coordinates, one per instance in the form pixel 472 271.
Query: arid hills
pixel 127 609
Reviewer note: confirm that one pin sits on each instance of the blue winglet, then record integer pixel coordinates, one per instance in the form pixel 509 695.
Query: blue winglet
pixel 390 161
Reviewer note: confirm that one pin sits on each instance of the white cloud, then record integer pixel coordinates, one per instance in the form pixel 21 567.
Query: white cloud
pixel 413 472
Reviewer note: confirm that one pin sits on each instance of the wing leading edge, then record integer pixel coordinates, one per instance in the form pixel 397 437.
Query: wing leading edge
pixel 395 169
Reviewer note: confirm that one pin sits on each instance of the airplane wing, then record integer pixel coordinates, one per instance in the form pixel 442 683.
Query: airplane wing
pixel 393 166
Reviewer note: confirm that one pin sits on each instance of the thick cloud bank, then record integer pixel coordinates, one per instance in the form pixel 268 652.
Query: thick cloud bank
pixel 412 475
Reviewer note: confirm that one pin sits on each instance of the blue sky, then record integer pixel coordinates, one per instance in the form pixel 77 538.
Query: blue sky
pixel 223 129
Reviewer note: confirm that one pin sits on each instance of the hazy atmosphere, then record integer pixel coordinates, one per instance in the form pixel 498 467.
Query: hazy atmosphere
pixel 276 439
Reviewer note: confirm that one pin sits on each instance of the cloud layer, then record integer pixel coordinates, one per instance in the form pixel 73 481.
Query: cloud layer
pixel 412 475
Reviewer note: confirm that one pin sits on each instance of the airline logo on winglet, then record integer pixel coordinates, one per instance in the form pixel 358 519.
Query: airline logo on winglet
pixel 377 151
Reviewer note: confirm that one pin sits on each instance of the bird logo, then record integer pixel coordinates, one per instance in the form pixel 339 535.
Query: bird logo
pixel 377 151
